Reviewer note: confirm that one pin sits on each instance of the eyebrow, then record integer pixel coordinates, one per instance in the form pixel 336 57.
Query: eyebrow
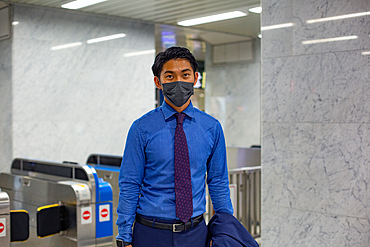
pixel 171 72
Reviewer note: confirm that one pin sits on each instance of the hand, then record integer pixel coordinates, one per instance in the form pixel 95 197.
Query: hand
pixel 128 245
pixel 210 243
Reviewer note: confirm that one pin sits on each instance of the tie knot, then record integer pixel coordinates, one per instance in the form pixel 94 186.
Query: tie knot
pixel 180 117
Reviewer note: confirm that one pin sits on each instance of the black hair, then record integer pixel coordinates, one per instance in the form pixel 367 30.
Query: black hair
pixel 171 53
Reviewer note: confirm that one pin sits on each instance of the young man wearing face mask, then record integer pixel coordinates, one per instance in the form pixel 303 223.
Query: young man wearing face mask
pixel 169 151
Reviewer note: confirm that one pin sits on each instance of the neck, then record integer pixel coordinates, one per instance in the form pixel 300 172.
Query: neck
pixel 177 108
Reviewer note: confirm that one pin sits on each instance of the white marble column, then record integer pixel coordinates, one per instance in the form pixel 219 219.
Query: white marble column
pixel 5 102
pixel 315 124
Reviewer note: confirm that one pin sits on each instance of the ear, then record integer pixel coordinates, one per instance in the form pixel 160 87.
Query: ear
pixel 196 75
pixel 157 82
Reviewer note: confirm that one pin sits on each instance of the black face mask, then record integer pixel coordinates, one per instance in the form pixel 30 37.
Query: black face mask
pixel 178 92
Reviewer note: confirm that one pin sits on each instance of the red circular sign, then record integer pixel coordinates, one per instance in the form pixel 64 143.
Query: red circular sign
pixel 1 227
pixel 104 213
pixel 86 215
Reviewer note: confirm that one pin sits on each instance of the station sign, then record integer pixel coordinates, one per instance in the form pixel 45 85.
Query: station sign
pixel 86 215
pixel 2 227
pixel 104 212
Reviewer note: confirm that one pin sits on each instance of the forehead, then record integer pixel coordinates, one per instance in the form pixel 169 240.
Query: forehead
pixel 178 64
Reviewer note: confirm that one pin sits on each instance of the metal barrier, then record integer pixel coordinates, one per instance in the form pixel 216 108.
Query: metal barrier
pixel 107 167
pixel 245 193
pixel 4 219
pixel 14 224
pixel 248 197
pixel 245 187
pixel 67 203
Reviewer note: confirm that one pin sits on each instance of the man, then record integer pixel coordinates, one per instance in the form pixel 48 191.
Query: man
pixel 168 153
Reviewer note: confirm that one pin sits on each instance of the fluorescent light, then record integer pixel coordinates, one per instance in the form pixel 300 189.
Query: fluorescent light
pixel 212 18
pixel 78 4
pixel 260 36
pixel 339 17
pixel 105 38
pixel 365 53
pixel 316 41
pixel 256 10
pixel 66 46
pixel 277 26
pixel 138 53
pixel 14 23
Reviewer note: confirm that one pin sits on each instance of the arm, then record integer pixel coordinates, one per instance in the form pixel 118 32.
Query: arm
pixel 217 174
pixel 130 179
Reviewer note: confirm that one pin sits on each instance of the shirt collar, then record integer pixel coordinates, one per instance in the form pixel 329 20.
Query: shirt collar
pixel 168 111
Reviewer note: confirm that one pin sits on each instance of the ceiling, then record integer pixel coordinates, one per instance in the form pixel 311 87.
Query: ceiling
pixel 166 13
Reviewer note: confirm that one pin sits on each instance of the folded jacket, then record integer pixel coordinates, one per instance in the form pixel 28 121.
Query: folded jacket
pixel 226 231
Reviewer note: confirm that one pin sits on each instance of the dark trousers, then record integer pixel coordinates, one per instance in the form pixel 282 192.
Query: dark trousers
pixel 144 236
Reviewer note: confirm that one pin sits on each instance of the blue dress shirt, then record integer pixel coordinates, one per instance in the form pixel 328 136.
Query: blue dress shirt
pixel 146 177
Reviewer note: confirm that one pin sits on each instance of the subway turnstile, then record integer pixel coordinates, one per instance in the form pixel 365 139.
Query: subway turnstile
pixel 107 167
pixel 68 204
pixel 4 219
pixel 14 224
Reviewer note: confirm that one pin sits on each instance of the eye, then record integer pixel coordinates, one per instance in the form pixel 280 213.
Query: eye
pixel 186 75
pixel 169 77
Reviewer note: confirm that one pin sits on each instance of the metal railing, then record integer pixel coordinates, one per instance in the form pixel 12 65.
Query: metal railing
pixel 245 192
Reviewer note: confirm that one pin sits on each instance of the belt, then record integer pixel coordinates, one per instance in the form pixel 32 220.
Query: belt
pixel 177 227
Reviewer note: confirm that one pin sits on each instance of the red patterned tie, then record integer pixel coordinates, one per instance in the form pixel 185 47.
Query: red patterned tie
pixel 184 195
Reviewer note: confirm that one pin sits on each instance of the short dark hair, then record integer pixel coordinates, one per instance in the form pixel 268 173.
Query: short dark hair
pixel 171 53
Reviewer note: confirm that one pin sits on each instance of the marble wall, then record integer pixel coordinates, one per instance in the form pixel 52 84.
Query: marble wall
pixel 69 103
pixel 233 97
pixel 315 124
pixel 5 102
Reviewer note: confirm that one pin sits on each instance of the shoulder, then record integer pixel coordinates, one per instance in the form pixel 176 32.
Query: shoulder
pixel 149 116
pixel 149 120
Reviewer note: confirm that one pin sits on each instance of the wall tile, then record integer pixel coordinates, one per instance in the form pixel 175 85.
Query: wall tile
pixel 317 167
pixel 309 10
pixel 277 84
pixel 289 227
pixel 6 150
pixel 5 105
pixel 328 87
pixel 68 140
pixel 273 161
pixel 276 12
pixel 72 102
pixel 367 165
pixel 315 128
pixel 277 42
pixel 5 61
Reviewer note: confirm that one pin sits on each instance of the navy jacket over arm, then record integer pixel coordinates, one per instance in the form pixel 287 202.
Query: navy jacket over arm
pixel 226 231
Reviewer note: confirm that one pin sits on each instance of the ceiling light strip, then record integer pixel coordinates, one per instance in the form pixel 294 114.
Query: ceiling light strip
pixel 256 10
pixel 78 4
pixel 59 47
pixel 211 18
pixel 138 53
pixel 105 38
pixel 339 17
pixel 277 26
pixel 365 53
pixel 317 41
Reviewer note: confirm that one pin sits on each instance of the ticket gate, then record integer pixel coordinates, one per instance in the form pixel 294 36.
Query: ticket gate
pixel 14 224
pixel 68 204
pixel 4 219
pixel 107 167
